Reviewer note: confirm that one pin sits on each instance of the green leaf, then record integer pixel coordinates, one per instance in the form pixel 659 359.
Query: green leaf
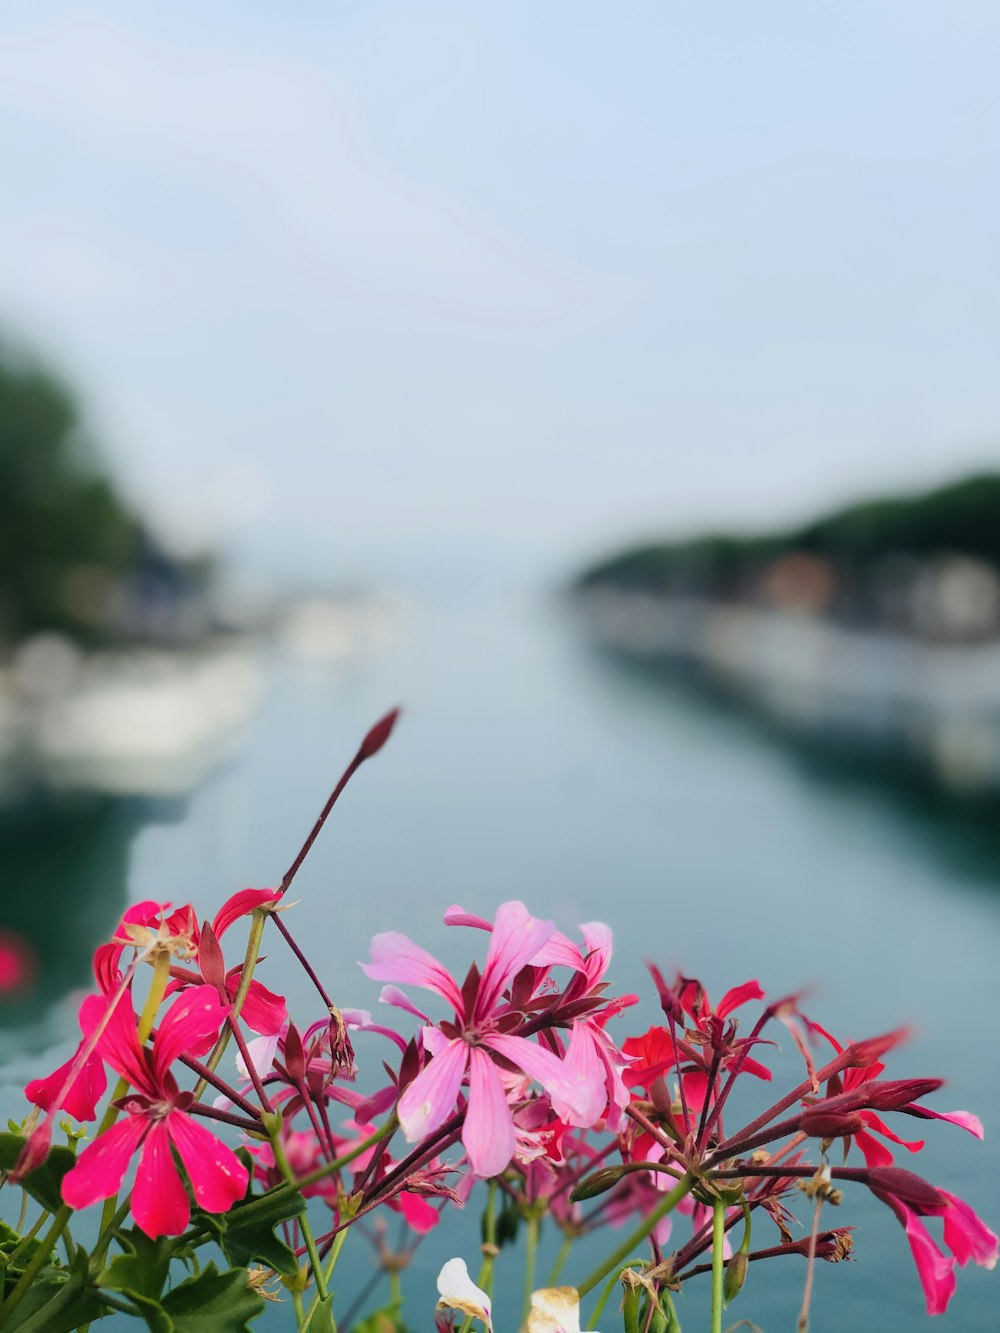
pixel 246 1232
pixel 322 1320
pixel 143 1269
pixel 45 1182
pixel 213 1302
pixel 54 1303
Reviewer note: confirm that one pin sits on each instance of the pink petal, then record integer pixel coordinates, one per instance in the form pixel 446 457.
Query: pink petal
pixel 241 904
pixel 84 1092
pixel 118 1043
pixel 218 1177
pixel 517 937
pixel 564 1084
pixel 458 916
pixel 750 990
pixel 598 939
pixel 400 1000
pixel 396 958
pixel 421 1215
pixel 263 1011
pixel 874 1152
pixel 101 1166
pixel 558 951
pixel 967 1235
pixel 936 1272
pixel 190 1026
pixel 488 1133
pixel 430 1098
pixel 584 1062
pixel 876 1123
pixel 964 1119
pixel 159 1200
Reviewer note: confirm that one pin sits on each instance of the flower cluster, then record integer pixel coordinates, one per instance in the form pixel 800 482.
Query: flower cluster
pixel 510 1081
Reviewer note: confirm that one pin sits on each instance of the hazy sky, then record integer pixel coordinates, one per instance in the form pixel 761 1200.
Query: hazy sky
pixel 410 282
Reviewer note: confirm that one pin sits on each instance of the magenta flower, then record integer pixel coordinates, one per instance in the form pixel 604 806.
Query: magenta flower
pixel 470 1046
pixel 157 1121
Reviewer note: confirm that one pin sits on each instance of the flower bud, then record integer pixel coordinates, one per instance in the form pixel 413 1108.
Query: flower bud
pixel 891 1094
pixel 210 961
pixel 736 1275
pixel 909 1188
pixel 599 1183
pixel 821 1123
pixel 295 1056
pixel 378 736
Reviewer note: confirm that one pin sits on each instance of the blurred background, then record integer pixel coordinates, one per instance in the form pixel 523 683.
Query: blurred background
pixel 616 390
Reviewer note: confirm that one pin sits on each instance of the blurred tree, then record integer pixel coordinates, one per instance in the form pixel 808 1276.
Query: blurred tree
pixel 70 547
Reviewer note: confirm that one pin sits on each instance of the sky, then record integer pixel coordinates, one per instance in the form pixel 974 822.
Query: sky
pixel 390 286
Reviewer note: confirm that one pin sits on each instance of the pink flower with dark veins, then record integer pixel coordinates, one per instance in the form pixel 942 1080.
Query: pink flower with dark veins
pixel 481 1033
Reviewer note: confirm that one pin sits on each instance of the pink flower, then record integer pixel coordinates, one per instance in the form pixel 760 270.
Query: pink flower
pixel 157 1121
pixel 469 1047
pixel 965 1233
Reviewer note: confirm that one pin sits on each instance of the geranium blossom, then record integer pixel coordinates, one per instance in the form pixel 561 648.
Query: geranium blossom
pixel 157 1121
pixel 469 1046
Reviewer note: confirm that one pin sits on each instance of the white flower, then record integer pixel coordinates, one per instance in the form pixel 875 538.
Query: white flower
pixel 554 1310
pixel 458 1292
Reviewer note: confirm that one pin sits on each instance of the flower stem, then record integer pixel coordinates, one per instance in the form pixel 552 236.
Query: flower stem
pixel 718 1262
pixel 609 1287
pixel 530 1254
pixel 560 1262
pixel 35 1264
pixel 273 1125
pixel 666 1205
pixel 803 1323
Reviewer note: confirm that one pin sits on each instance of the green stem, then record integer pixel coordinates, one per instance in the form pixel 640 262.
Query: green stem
pixel 272 1123
pixel 609 1287
pixel 489 1240
pixel 336 1247
pixel 718 1261
pixel 667 1204
pixel 530 1254
pixel 36 1263
pixel 560 1262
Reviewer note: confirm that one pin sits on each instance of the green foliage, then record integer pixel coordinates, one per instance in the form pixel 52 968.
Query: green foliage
pixel 246 1232
pixel 59 513
pixel 45 1182
pixel 963 517
pixel 141 1271
pixel 58 1301
pixel 211 1302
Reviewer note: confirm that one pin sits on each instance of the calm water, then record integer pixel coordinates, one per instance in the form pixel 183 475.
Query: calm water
pixel 527 767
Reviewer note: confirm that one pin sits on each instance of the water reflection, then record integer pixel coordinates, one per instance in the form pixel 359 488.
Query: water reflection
pixel 65 884
pixel 961 830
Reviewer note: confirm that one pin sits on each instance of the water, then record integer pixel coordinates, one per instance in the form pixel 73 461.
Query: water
pixel 526 766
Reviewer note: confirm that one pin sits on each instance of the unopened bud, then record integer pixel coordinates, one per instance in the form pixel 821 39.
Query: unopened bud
pixel 908 1187
pixel 599 1183
pixel 210 961
pixel 378 736
pixel 295 1056
pixel 820 1123
pixel 891 1094
pixel 861 1053
pixel 34 1152
pixel 736 1275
